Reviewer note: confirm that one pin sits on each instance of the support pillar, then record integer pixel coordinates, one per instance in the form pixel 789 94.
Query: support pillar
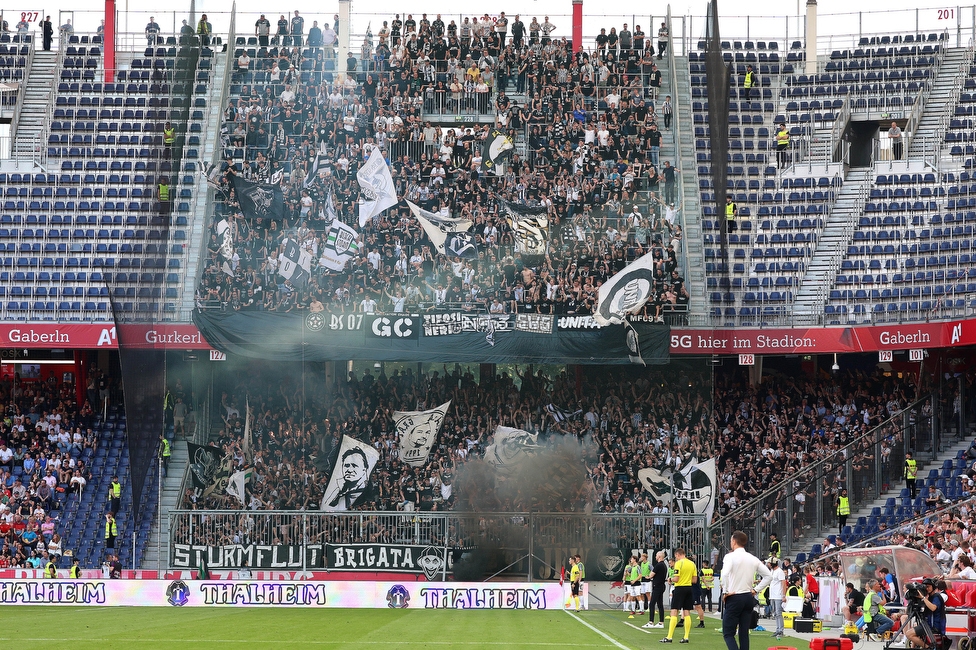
pixel 577 25
pixel 811 37
pixel 108 44
pixel 345 6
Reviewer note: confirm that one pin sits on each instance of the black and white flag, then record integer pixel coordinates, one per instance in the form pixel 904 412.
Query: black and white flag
pixel 450 236
pixel 509 448
pixel 691 489
pixel 349 483
pixel 648 343
pixel 498 146
pixel 417 432
pixel 341 245
pixel 259 200
pixel 561 415
pixel 313 173
pixel 626 292
pixel 205 462
pixel 530 225
pixel 377 191
pixel 226 239
pixel 295 263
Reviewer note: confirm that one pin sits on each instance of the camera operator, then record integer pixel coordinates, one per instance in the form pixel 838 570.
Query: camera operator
pixel 934 612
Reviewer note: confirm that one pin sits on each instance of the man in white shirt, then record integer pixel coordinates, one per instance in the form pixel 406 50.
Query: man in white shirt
pixel 777 591
pixel 739 569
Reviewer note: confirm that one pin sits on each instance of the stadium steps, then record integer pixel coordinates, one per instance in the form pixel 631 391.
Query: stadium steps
pixel 822 268
pixel 36 109
pixel 812 536
pixel 201 203
pixel 694 253
pixel 944 93
pixel 156 550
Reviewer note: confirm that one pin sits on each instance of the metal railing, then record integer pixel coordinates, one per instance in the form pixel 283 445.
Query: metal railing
pixel 955 90
pixel 528 543
pixel 804 503
pixel 678 157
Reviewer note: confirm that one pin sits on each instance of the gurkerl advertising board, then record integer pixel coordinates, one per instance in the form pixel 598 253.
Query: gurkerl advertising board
pixel 245 593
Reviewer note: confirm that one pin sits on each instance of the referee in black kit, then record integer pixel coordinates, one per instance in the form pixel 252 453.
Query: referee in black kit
pixel 739 571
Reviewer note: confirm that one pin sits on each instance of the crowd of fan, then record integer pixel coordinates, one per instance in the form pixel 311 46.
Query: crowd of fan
pixel 625 421
pixel 43 433
pixel 776 429
pixel 592 157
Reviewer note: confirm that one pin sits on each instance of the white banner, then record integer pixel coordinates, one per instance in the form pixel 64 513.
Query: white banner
pixel 691 489
pixel 509 448
pixel 417 431
pixel 376 186
pixel 349 482
pixel 247 593
pixel 236 483
pixel 625 292
pixel 340 246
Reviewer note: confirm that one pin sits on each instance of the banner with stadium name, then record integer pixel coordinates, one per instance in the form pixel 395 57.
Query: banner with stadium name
pixel 447 337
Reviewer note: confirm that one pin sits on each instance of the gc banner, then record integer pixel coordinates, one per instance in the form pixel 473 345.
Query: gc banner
pixel 248 593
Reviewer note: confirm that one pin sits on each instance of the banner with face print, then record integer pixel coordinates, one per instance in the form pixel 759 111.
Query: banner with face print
pixel 510 447
pixel 691 489
pixel 349 484
pixel 417 431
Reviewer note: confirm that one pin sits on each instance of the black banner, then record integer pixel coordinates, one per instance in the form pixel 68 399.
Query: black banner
pixel 205 464
pixel 252 556
pixel 435 338
pixel 429 560
pixel 259 200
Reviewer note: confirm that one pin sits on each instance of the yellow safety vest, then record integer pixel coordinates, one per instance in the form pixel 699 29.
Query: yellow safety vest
pixel 111 530
pixel 843 506
pixel 75 572
pixel 795 591
pixel 708 578
pixel 115 490
pixel 911 469
pixel 169 135
pixel 730 209
pixel 782 138
pixel 50 570
pixel 163 192
pixel 166 451
pixel 750 80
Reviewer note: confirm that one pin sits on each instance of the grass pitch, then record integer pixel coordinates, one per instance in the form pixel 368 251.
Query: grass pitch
pixel 124 628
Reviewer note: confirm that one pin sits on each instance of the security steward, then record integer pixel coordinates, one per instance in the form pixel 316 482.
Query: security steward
pixel 115 495
pixel 750 81
pixel 50 569
pixel 165 452
pixel 111 531
pixel 911 473
pixel 163 195
pixel 707 583
pixel 843 508
pixel 782 146
pixel 731 212
pixel 169 137
pixel 775 548
pixel 75 572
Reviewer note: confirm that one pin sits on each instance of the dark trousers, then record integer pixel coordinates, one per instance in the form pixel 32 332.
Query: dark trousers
pixel 897 148
pixel 657 603
pixel 843 521
pixel 910 483
pixel 782 155
pixel 662 47
pixel 116 505
pixel 667 120
pixel 737 617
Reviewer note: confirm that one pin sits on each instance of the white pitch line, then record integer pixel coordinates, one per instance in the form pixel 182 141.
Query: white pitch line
pixel 637 627
pixel 321 643
pixel 600 632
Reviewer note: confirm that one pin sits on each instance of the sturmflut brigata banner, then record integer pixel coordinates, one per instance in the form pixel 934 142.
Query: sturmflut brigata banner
pixel 248 593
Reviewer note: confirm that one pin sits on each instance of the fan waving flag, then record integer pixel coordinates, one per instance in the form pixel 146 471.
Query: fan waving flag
pixel 448 235
pixel 626 292
pixel 498 147
pixel 377 191
pixel 418 432
pixel 530 225
pixel 340 246
pixel 295 263
pixel 259 200
pixel 349 483
pixel 561 415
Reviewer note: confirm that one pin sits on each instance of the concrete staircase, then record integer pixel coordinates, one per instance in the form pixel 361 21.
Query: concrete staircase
pixel 36 109
pixel 693 251
pixel 156 553
pixel 928 136
pixel 822 267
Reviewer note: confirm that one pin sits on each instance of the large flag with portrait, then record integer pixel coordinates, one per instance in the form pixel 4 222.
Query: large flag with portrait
pixel 417 432
pixel 349 484
pixel 225 237
pixel 690 489
pixel 259 200
pixel 377 191
pixel 510 448
pixel 530 225
pixel 498 146
pixel 449 235
pixel 626 292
